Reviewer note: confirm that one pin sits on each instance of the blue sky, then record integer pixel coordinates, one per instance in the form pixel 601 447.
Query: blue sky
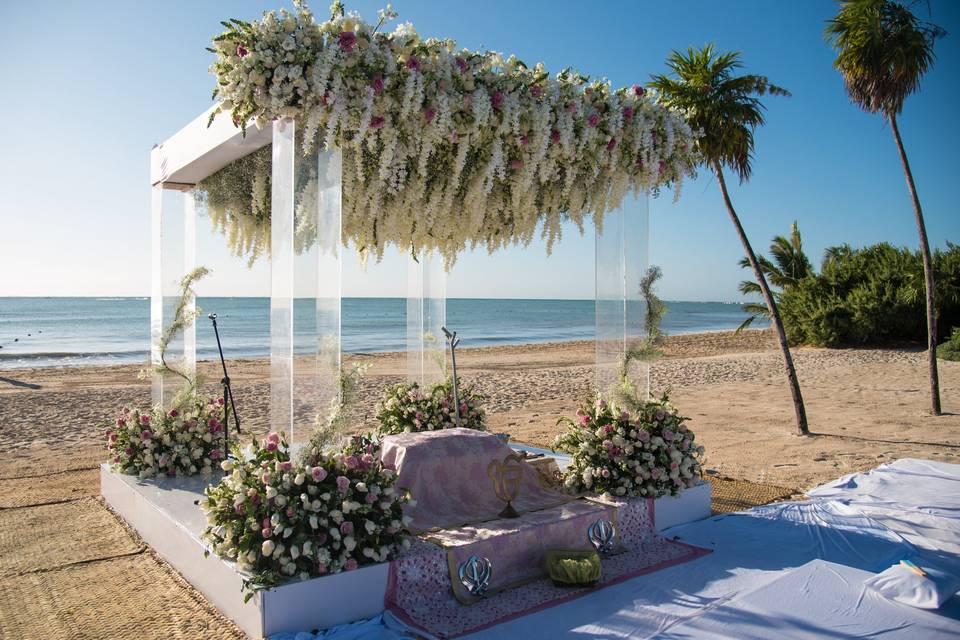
pixel 89 87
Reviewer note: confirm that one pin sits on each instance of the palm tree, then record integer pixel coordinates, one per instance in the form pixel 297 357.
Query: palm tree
pixel 789 266
pixel 725 108
pixel 883 50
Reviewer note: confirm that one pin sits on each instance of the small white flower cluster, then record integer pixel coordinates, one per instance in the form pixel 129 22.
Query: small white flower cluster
pixel 323 514
pixel 407 407
pixel 448 148
pixel 647 453
pixel 182 441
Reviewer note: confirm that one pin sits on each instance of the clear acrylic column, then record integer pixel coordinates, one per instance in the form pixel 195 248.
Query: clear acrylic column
pixel 622 247
pixel 173 249
pixel 426 315
pixel 305 285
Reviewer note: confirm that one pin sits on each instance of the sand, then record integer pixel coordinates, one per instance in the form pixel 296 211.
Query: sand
pixel 865 406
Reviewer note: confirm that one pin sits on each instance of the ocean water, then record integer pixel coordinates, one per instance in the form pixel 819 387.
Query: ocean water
pixel 37 332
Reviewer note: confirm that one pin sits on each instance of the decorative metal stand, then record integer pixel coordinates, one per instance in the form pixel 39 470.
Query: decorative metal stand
pixel 475 574
pixel 227 391
pixel 453 341
pixel 506 478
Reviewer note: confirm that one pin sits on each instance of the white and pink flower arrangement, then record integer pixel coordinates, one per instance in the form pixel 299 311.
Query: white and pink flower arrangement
pixel 181 441
pixel 325 513
pixel 408 407
pixel 443 147
pixel 648 452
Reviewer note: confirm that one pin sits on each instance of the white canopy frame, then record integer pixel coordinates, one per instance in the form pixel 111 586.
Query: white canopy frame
pixel 306 281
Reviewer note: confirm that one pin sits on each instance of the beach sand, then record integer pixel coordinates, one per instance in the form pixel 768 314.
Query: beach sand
pixel 866 406
pixel 69 568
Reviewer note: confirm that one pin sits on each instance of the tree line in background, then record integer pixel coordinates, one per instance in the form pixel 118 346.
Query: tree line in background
pixel 883 51
pixel 875 295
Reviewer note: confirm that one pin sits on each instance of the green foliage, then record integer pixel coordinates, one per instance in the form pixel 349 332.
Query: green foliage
pixel 873 295
pixel 883 50
pixel 722 106
pixel 789 265
pixel 950 350
pixel 646 349
pixel 181 320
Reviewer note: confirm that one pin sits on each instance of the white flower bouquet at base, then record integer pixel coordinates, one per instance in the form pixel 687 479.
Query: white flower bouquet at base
pixel 279 519
pixel 182 441
pixel 649 452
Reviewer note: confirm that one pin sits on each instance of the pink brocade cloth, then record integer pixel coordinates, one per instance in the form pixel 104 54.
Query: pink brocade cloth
pixel 446 473
pixel 419 587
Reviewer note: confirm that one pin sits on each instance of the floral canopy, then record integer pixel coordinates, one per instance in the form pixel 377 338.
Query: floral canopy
pixel 443 148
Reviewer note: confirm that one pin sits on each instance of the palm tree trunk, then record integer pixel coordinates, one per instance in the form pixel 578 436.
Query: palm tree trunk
pixel 798 408
pixel 927 273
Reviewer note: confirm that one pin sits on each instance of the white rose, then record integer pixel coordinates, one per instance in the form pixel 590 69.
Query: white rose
pixel 267 548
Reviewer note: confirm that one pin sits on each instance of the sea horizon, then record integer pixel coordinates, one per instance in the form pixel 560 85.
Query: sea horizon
pixel 51 331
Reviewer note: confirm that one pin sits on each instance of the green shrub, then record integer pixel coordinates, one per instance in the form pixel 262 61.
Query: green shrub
pixel 950 350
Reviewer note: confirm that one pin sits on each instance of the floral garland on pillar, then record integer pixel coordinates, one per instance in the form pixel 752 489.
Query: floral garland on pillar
pixel 446 148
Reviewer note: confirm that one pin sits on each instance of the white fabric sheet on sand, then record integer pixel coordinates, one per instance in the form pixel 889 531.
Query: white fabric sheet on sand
pixel 863 523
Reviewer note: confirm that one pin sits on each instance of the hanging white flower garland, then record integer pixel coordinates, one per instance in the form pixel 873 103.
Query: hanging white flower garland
pixel 443 148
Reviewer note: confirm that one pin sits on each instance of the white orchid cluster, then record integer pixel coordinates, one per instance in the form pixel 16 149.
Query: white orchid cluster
pixel 649 452
pixel 184 440
pixel 447 148
pixel 279 519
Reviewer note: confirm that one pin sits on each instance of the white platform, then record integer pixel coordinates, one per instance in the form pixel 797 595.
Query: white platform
pixel 164 514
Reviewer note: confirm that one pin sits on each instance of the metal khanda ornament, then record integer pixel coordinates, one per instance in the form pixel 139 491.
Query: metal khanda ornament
pixel 506 477
pixel 601 535
pixel 475 574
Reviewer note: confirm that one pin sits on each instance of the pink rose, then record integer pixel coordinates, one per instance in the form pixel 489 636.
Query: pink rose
pixel 612 144
pixel 638 90
pixel 663 167
pixel 351 462
pixel 377 122
pixel 514 164
pixel 461 64
pixel 367 459
pixel 240 509
pixel 343 483
pixel 174 413
pixel 145 419
pixel 608 429
pixel 350 565
pixel 593 120
pixel 318 473
pixel 216 454
pixel 371 498
pixel 536 91
pixel 659 415
pixel 643 436
pixel 145 435
pixel 242 51
pixel 128 451
pixel 655 473
pixel 321 567
pixel 346 528
pixel 347 41
pixel 377 85
pixel 628 113
pixel 266 523
pixel 286 465
pixel 274 437
pixel 625 416
pixel 524 140
pixel 497 99
pixel 554 136
pixel 266 532
pixel 571 107
pixel 429 114
pixel 266 478
pixel 413 63
pixel 291 511
pixel 584 420
pixel 271 446
pixel 121 422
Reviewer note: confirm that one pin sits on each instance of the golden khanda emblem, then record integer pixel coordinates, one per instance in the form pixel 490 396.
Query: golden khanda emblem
pixel 506 478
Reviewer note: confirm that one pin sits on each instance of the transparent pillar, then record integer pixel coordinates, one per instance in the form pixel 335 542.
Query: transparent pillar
pixel 622 245
pixel 426 315
pixel 305 285
pixel 173 254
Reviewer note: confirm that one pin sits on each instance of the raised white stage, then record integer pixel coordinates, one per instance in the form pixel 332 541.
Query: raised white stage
pixel 165 514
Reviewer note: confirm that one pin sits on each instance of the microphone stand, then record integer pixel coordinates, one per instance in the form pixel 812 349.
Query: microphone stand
pixel 453 341
pixel 227 393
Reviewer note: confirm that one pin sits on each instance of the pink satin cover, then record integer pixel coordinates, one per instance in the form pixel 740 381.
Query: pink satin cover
pixel 446 472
